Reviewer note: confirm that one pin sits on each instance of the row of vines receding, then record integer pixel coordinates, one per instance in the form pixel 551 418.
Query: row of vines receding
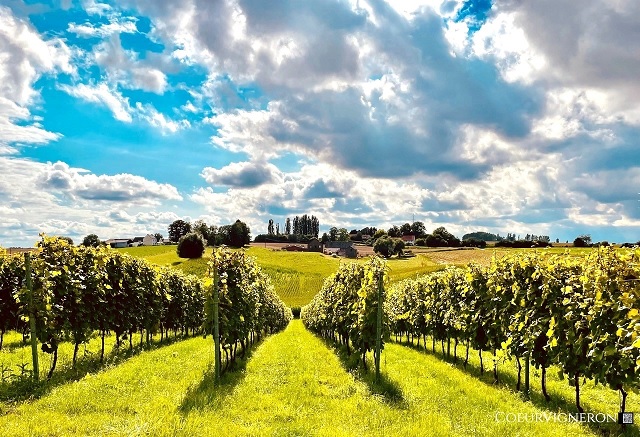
pixel 78 291
pixel 581 315
pixel 345 310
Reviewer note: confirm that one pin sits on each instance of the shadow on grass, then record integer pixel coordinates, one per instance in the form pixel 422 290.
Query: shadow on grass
pixel 21 387
pixel 558 403
pixel 386 388
pixel 16 344
pixel 208 395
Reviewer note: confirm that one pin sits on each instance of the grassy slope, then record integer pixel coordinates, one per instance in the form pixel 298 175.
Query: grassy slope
pixel 296 276
pixel 293 385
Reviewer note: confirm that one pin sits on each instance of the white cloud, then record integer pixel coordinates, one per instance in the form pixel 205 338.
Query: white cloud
pixel 96 8
pixel 104 95
pixel 78 183
pixel 149 79
pixel 159 120
pixel 501 39
pixel 117 26
pixel 24 57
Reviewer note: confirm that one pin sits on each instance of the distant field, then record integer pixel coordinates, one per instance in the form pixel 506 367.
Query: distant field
pixel 296 276
pixel 462 257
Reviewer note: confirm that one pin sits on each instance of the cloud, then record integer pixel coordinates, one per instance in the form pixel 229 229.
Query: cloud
pixel 498 114
pixel 25 133
pixel 25 56
pixel 159 120
pixel 103 95
pixel 149 79
pixel 242 174
pixel 93 7
pixel 117 26
pixel 123 67
pixel 593 46
pixel 60 178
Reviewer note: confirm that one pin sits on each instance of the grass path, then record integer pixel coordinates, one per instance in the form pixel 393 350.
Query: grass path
pixel 292 385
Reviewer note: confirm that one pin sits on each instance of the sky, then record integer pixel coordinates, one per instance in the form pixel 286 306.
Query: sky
pixel 118 118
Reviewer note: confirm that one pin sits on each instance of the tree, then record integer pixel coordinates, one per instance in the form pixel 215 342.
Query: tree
pixel 405 229
pixel 270 227
pixel 239 234
pixel 582 241
pixel 394 231
pixel 442 234
pixel 343 235
pixel 177 229
pixel 223 235
pixel 67 239
pixel 333 234
pixel 418 229
pixel 158 237
pixel 287 226
pixel 191 245
pixel 212 238
pixel 91 240
pixel 387 246
pixel 202 228
pixel 579 242
pixel 325 238
pixel 379 233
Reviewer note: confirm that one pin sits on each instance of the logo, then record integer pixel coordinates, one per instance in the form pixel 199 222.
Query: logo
pixel 625 418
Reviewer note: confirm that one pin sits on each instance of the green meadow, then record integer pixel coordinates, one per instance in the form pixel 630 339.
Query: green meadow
pixel 292 384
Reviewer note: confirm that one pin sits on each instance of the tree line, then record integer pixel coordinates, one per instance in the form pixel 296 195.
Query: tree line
pixel 236 235
pixel 299 230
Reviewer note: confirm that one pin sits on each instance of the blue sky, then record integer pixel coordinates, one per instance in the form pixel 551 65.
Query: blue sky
pixel 117 118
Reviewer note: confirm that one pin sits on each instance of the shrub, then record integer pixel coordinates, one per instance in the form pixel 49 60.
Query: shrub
pixel 296 312
pixel 579 242
pixel 191 245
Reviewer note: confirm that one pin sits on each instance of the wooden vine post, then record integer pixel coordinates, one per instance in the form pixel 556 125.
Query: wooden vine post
pixel 216 321
pixel 32 317
pixel 379 328
pixel 527 392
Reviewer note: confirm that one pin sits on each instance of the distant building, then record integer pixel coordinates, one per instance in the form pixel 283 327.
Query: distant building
pixel 116 243
pixel 314 245
pixel 331 250
pixel 341 248
pixel 149 240
pixel 338 244
pixel 350 252
pixel 409 240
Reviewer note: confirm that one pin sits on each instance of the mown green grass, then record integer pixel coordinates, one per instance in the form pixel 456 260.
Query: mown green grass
pixel 16 365
pixel 138 397
pixel 292 385
pixel 593 398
